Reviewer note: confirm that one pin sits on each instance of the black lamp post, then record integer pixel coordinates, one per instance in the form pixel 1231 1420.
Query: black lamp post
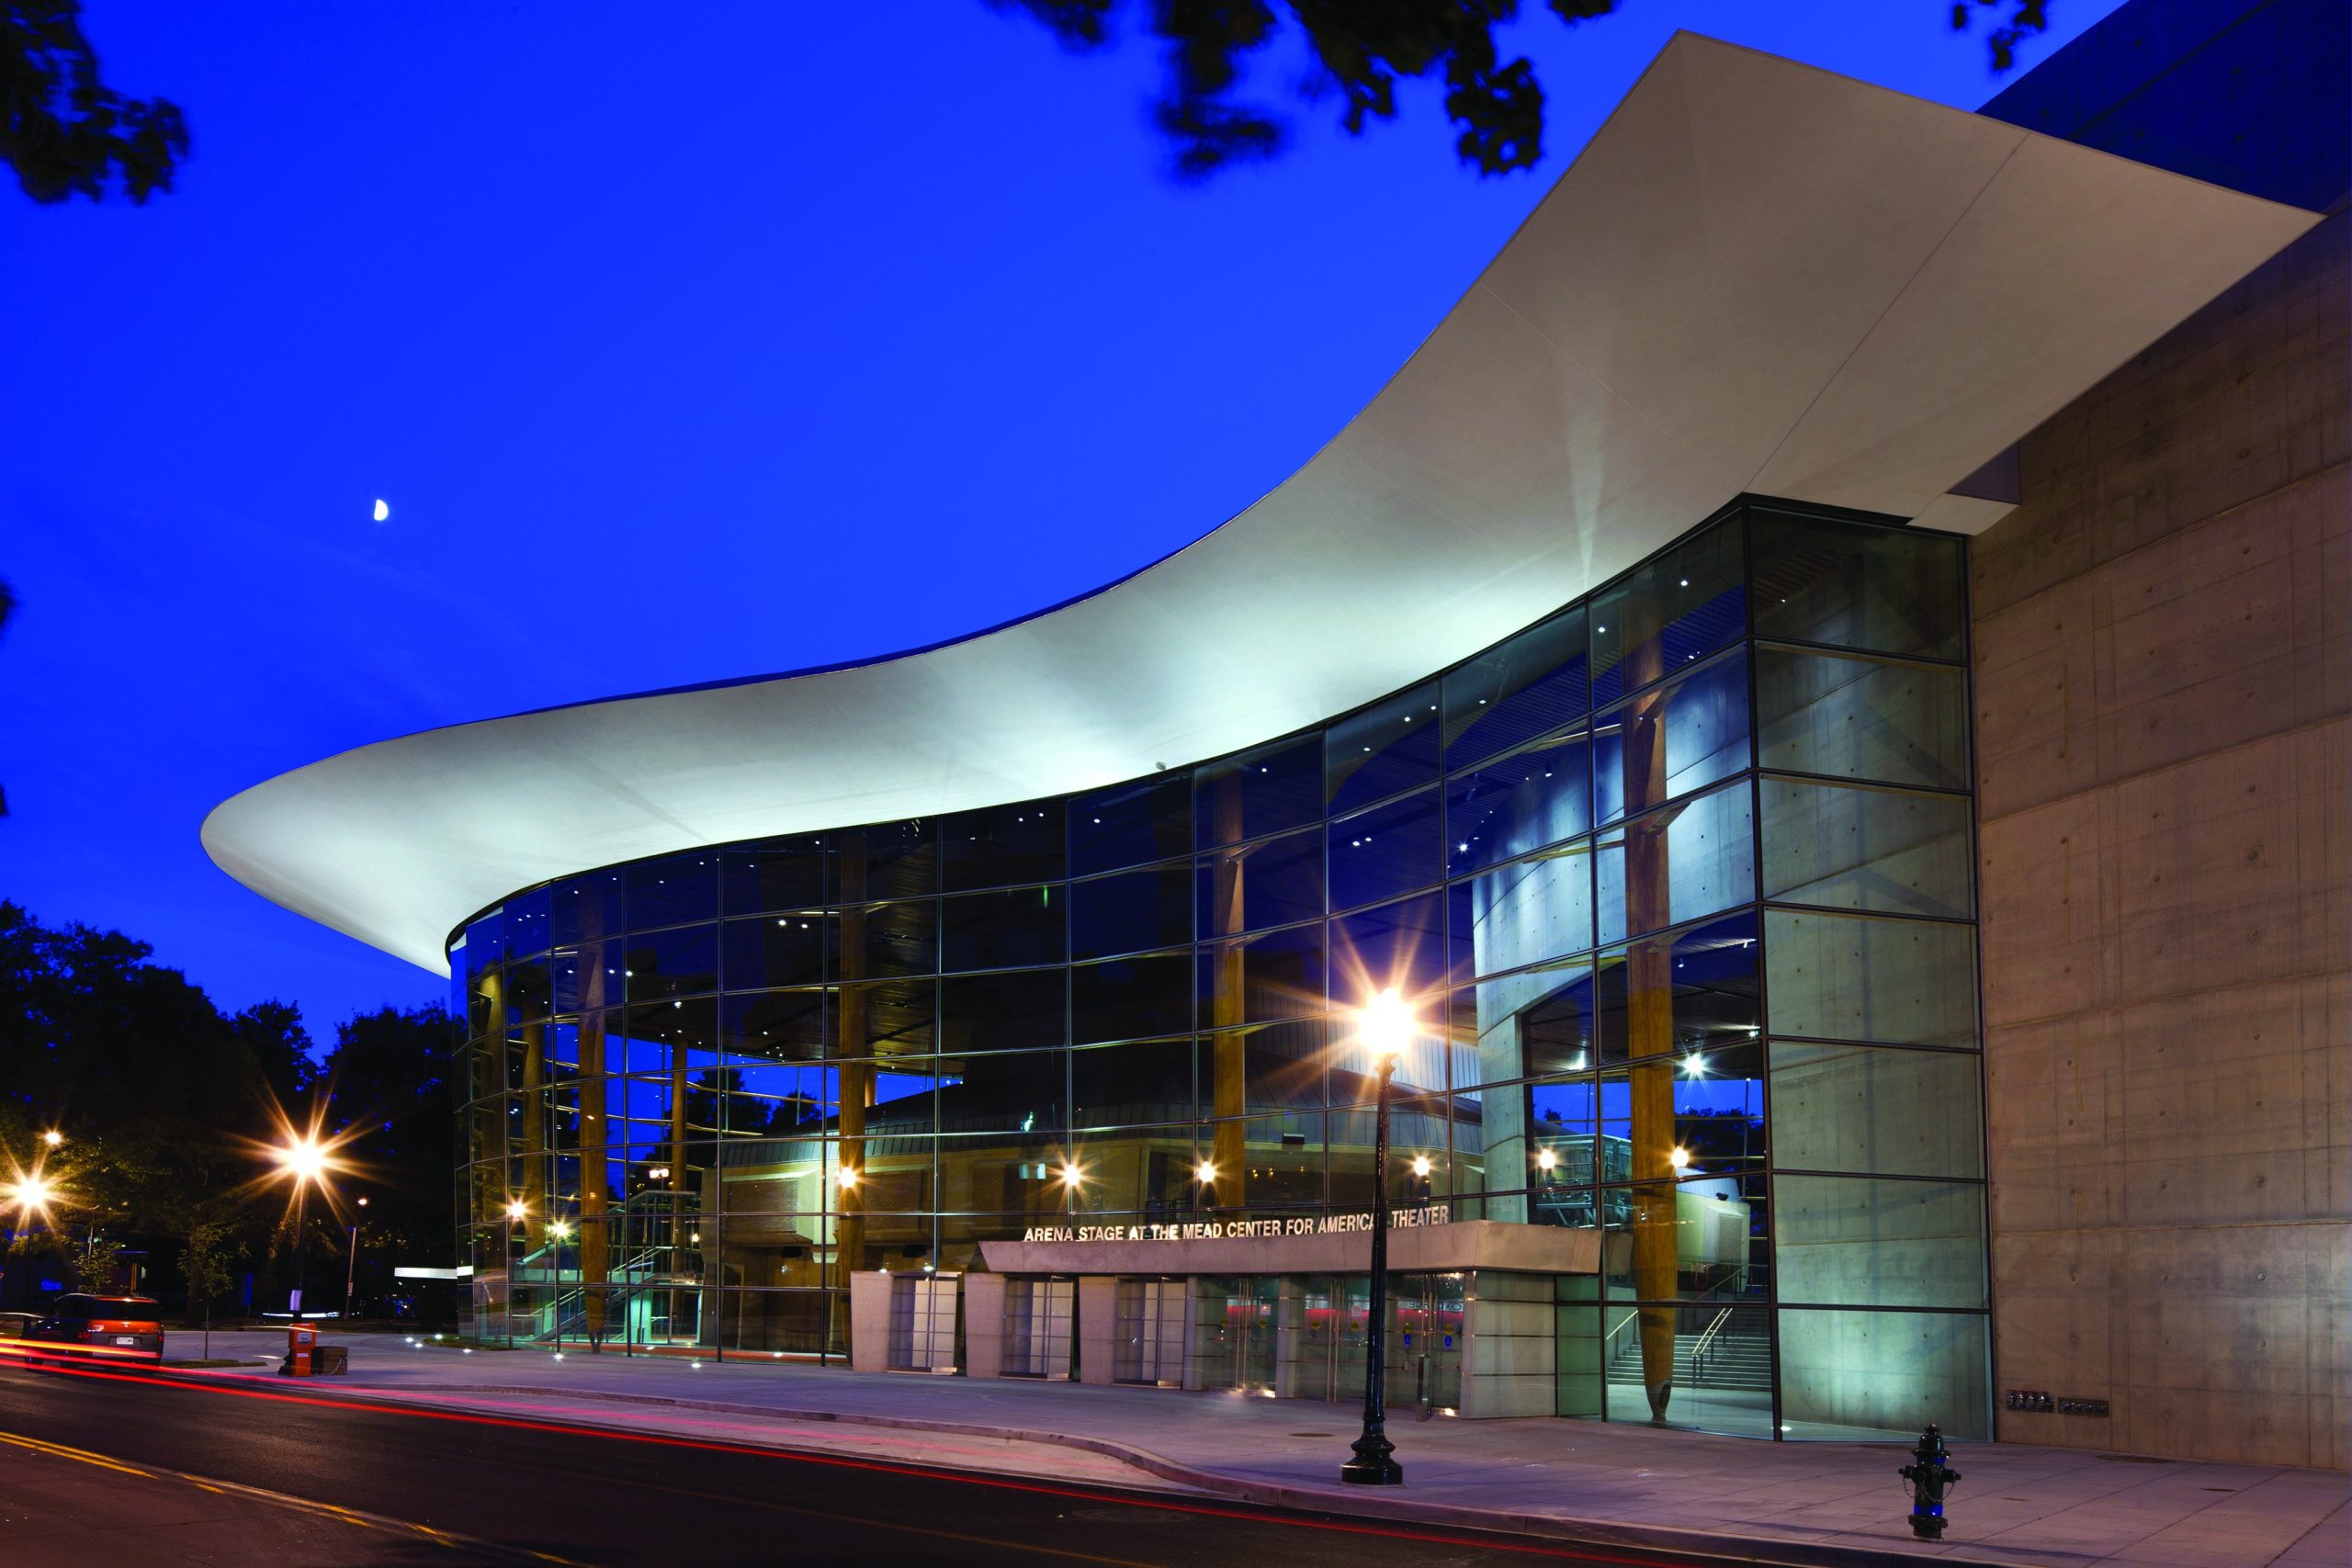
pixel 1385 1027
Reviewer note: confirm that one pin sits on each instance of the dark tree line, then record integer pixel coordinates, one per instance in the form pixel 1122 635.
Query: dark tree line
pixel 166 1109
pixel 67 133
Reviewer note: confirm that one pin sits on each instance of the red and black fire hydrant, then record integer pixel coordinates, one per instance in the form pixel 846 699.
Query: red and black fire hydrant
pixel 1929 1479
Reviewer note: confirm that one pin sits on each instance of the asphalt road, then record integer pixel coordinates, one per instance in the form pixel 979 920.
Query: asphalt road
pixel 437 1486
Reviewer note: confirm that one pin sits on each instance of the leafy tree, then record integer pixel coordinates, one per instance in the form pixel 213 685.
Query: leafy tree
pixel 1359 50
pixel 64 131
pixel 387 1102
pixel 206 1263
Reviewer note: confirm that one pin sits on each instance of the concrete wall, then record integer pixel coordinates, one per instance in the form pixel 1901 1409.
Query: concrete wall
pixel 2163 660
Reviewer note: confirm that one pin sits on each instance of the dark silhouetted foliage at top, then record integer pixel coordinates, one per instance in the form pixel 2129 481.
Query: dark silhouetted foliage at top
pixel 64 131
pixel 1361 49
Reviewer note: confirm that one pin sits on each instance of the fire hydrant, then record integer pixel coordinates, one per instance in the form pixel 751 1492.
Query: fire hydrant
pixel 1929 1479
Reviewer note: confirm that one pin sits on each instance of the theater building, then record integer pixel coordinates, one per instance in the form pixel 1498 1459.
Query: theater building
pixel 1821 688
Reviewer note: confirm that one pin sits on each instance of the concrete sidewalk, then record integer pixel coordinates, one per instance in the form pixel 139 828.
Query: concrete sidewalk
pixel 1585 1480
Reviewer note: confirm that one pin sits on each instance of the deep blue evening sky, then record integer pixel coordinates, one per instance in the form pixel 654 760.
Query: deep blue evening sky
pixel 682 350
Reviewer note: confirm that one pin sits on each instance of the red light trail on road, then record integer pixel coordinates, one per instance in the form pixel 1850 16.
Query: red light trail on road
pixel 656 1439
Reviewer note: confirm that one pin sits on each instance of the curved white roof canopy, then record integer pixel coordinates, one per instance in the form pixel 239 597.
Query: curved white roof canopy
pixel 1758 277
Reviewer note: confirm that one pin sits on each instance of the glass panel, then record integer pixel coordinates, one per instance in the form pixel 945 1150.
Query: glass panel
pixel 1384 749
pixel 672 891
pixel 1670 741
pixel 1708 977
pixel 1530 685
pixel 1002 845
pixel 1519 803
pixel 1676 864
pixel 1131 824
pixel 1854 1241
pixel 1271 974
pixel 777 874
pixel 1894 590
pixel 1018 928
pixel 1004 1011
pixel 1133 910
pixel 1276 1068
pixel 1860 718
pixel 1019 1092
pixel 1522 914
pixel 1260 792
pixel 884 860
pixel 1673 612
pixel 586 909
pixel 778 1026
pixel 1851 847
pixel 883 1017
pixel 1389 849
pixel 887 939
pixel 1526 1025
pixel 672 962
pixel 525 921
pixel 1702 1243
pixel 1864 1374
pixel 529 990
pixel 1133 1086
pixel 1852 978
pixel 775 950
pixel 1863 1108
pixel 1397 947
pixel 1273 881
pixel 1132 999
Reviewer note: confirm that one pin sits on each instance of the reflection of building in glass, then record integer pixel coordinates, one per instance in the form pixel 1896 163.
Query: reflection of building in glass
pixel 989 1007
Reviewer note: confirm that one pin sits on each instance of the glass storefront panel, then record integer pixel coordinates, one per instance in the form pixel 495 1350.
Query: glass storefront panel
pixel 1382 750
pixel 1678 864
pixel 1855 1241
pixel 1530 685
pixel 1851 978
pixel 1891 590
pixel 1875 849
pixel 1871 1108
pixel 1886 1374
pixel 1525 913
pixel 1670 741
pixel 1134 912
pixel 1848 716
pixel 1518 803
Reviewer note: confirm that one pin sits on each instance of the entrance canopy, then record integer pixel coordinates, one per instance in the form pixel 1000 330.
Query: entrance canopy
pixel 1757 276
pixel 1412 1249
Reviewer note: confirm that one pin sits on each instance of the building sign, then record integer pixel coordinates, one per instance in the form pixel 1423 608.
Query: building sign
pixel 1217 1230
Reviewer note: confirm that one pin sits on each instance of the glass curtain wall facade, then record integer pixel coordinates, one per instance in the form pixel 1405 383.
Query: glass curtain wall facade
pixel 1679 880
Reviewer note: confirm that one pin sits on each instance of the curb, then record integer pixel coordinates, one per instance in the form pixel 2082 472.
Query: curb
pixel 1779 1552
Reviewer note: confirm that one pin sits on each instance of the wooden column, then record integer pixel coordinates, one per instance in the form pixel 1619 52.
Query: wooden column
pixel 1649 1001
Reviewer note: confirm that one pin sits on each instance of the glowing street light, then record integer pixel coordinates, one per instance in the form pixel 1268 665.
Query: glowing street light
pixel 53 1137
pixel 1546 1158
pixel 1385 1027
pixel 304 1160
pixel 31 1194
pixel 1680 1158
pixel 846 1178
pixel 1071 1175
pixel 1694 1066
pixel 1204 1172
pixel 1421 1165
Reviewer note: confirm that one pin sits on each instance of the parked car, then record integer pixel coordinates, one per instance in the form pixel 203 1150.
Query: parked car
pixel 102 1328
pixel 14 1324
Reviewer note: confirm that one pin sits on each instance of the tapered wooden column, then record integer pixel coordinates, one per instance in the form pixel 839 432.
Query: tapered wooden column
pixel 596 1246
pixel 1649 1001
pixel 855 1090
pixel 1229 1050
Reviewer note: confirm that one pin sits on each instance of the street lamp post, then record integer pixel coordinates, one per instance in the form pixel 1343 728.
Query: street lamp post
pixel 351 1260
pixel 1385 1027
pixel 305 1160
pixel 514 1211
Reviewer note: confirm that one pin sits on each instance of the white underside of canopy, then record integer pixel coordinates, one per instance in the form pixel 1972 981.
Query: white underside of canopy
pixel 1758 277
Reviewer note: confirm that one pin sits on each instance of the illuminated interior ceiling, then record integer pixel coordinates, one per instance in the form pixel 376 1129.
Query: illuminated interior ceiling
pixel 1758 277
